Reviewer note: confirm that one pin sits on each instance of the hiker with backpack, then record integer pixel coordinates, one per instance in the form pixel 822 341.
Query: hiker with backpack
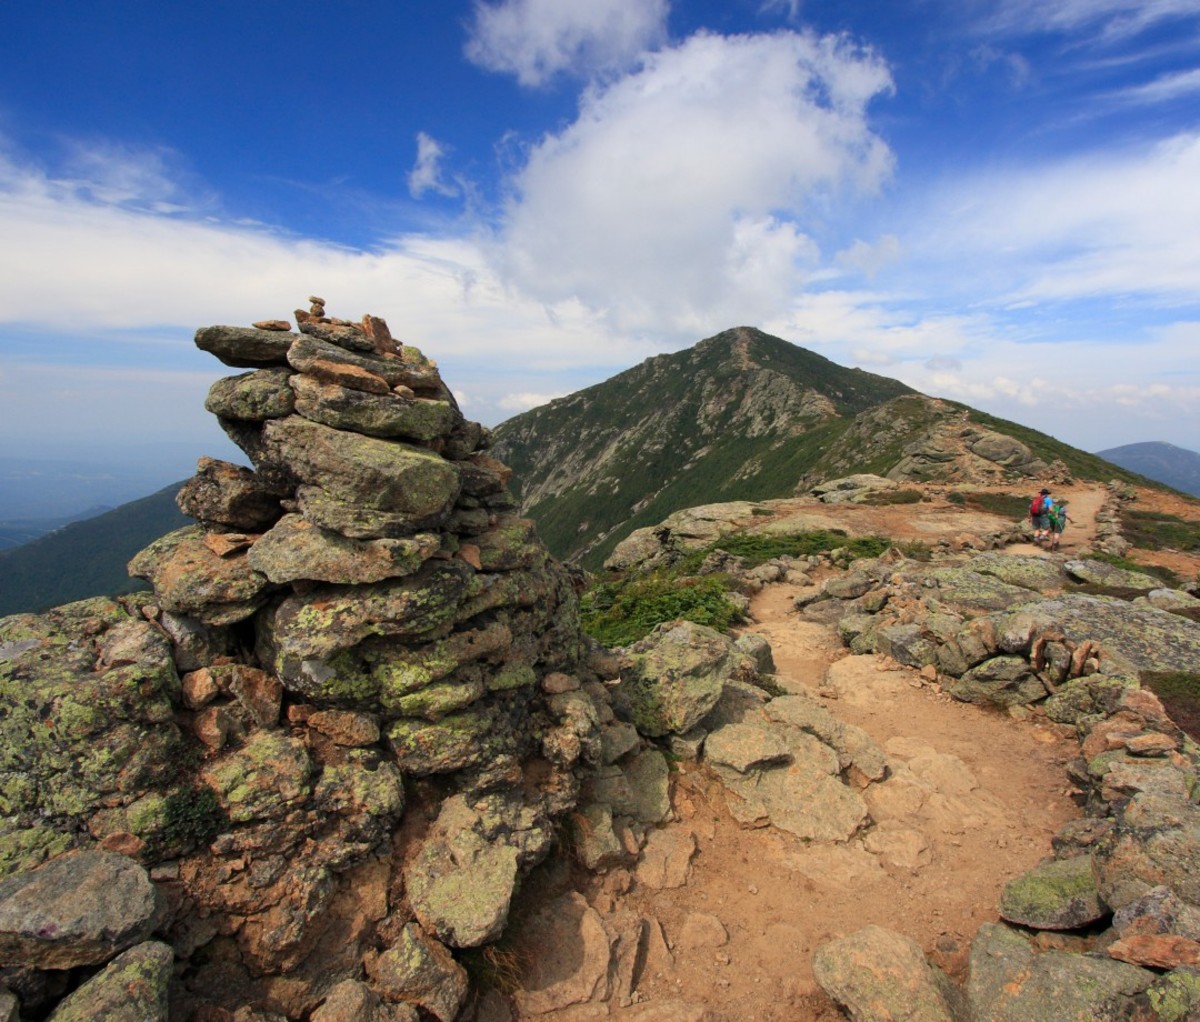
pixel 1039 515
pixel 1058 521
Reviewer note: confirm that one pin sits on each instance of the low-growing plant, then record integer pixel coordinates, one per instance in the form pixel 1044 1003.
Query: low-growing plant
pixel 1156 570
pixel 496 967
pixel 881 498
pixel 915 550
pixel 1003 505
pixel 757 548
pixel 1153 530
pixel 621 612
pixel 192 816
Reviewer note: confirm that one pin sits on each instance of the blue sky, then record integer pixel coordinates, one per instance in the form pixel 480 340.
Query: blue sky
pixel 996 202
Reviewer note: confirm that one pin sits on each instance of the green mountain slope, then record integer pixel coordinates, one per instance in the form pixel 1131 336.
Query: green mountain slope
pixel 746 416
pixel 741 415
pixel 86 558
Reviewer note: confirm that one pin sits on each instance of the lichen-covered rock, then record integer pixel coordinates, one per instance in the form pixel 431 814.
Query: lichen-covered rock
pixel 245 347
pixel 455 742
pixel 83 908
pixel 967 591
pixel 262 779
pixel 190 578
pixel 1108 576
pixel 362 470
pixel 87 721
pixel 638 788
pixel 1000 681
pixel 1038 574
pixel 853 488
pixel 229 497
pixel 134 985
pixel 300 636
pixel 1175 997
pixel 1057 895
pixel 1156 843
pixel 906 644
pixel 252 397
pixel 421 972
pixel 353 1001
pixel 372 414
pixel 461 884
pixel 297 549
pixel 1010 982
pixel 675 675
pixel 880 976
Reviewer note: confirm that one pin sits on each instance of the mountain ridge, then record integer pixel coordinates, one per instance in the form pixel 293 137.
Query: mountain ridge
pixel 1177 467
pixel 744 415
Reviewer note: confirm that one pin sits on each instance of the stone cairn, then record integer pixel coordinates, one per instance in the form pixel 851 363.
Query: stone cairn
pixel 310 768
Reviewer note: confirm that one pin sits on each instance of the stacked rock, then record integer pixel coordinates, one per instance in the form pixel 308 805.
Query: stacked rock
pixel 359 611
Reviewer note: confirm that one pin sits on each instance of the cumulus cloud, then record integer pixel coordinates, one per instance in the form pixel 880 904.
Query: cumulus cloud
pixel 135 277
pixel 426 175
pixel 681 194
pixel 538 39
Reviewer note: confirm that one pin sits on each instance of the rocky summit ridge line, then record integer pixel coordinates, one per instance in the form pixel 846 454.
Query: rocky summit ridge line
pixel 743 415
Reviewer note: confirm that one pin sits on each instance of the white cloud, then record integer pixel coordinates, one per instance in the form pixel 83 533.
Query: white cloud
pixel 426 175
pixel 522 402
pixel 1103 226
pixel 710 159
pixel 870 258
pixel 1107 19
pixel 537 39
pixel 1163 89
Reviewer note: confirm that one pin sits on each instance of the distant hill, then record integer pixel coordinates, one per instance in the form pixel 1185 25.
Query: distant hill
pixel 743 415
pixel 1175 466
pixel 85 558
pixel 16 531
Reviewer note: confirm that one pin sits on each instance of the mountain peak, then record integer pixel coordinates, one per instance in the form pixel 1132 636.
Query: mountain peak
pixel 744 415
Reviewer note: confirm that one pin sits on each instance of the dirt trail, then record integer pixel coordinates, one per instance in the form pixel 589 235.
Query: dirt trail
pixel 974 799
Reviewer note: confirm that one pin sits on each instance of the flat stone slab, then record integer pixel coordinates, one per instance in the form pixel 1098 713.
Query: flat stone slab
pixel 880 976
pixel 82 908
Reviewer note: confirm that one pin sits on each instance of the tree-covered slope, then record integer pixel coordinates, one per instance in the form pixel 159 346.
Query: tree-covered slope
pixel 86 558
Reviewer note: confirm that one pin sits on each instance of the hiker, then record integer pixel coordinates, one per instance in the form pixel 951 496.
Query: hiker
pixel 1058 521
pixel 1039 514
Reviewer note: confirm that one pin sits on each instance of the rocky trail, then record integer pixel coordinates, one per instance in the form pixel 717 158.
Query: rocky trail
pixel 974 798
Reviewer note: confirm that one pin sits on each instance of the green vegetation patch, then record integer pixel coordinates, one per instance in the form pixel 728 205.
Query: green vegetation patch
pixel 618 613
pixel 1166 574
pixel 757 549
pixel 1152 530
pixel 1004 505
pixel 882 497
